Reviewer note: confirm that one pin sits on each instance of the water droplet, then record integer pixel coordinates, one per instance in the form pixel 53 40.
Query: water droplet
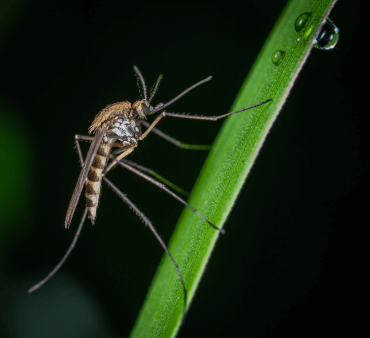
pixel 301 21
pixel 328 37
pixel 277 57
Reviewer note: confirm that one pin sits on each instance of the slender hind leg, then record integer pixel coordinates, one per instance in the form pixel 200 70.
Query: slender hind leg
pixel 156 175
pixel 145 220
pixel 59 265
pixel 149 224
pixel 116 160
pixel 140 167
pixel 133 207
pixel 163 187
pixel 52 273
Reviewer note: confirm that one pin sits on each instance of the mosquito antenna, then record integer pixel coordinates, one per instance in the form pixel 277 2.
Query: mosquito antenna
pixel 155 233
pixel 141 78
pixel 52 273
pixel 161 106
pixel 155 87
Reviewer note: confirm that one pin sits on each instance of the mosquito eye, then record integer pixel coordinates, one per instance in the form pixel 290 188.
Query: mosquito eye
pixel 144 109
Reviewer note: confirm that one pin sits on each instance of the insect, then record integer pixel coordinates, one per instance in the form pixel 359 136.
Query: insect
pixel 119 126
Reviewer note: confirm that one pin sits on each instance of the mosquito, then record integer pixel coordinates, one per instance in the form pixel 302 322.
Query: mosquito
pixel 119 125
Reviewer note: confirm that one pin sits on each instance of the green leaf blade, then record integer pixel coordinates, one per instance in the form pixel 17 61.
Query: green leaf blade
pixel 227 167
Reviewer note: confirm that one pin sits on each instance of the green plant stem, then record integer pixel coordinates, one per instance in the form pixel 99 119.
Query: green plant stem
pixel 227 166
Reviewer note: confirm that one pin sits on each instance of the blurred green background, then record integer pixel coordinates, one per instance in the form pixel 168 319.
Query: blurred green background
pixel 285 265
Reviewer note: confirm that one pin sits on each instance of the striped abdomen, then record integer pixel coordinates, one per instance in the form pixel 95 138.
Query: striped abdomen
pixel 94 179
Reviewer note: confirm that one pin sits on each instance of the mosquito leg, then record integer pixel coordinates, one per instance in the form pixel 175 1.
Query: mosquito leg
pixel 162 186
pixel 52 273
pixel 120 156
pixel 83 137
pixel 153 173
pixel 195 117
pixel 176 142
pixel 77 138
pixel 38 285
pixel 112 164
pixel 153 230
pixel 90 138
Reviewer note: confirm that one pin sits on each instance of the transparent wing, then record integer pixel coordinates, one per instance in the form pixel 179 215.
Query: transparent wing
pixel 83 175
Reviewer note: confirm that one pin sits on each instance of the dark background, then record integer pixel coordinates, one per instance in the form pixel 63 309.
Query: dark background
pixel 288 264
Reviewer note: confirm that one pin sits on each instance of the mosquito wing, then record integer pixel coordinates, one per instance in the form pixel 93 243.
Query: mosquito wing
pixel 83 175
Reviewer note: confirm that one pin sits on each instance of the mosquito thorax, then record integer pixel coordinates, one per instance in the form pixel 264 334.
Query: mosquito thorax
pixel 110 113
pixel 125 129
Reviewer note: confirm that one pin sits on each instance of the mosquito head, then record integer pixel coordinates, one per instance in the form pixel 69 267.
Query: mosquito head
pixel 142 108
